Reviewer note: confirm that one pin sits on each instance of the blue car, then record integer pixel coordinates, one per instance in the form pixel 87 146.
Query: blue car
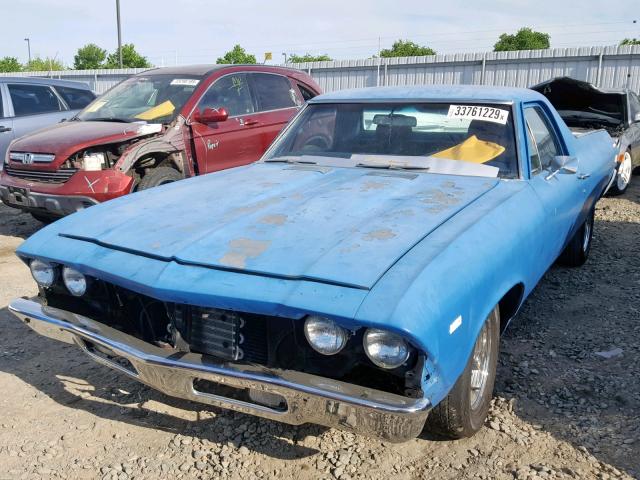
pixel 357 277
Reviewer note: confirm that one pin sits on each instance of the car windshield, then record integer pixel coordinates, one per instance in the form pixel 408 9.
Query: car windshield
pixel 453 138
pixel 150 98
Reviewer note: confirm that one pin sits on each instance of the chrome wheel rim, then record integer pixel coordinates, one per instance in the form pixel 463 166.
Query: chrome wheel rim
pixel 481 361
pixel 587 235
pixel 624 172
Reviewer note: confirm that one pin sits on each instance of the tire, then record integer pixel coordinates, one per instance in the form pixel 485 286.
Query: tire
pixel 577 251
pixel 43 218
pixel 155 177
pixel 623 176
pixel 464 411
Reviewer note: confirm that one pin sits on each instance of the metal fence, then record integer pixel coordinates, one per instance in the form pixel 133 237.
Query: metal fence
pixel 607 67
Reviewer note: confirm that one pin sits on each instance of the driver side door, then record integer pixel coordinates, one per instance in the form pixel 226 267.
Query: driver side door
pixel 235 141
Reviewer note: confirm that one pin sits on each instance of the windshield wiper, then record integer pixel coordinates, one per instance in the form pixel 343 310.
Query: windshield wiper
pixel 392 166
pixel 288 160
pixel 109 119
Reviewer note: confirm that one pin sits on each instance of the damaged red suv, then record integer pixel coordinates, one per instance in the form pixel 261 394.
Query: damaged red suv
pixel 156 127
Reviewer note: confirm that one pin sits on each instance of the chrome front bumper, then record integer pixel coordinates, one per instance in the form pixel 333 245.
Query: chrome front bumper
pixel 309 398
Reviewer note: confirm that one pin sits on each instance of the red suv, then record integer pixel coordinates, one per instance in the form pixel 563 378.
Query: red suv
pixel 155 127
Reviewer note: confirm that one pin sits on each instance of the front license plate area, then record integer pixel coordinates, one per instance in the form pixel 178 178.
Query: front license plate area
pixel 20 194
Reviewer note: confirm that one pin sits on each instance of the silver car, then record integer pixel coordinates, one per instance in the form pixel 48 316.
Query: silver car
pixel 31 103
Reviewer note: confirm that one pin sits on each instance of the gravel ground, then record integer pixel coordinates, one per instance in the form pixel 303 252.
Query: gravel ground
pixel 561 410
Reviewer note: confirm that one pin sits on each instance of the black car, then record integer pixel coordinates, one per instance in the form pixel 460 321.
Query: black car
pixel 584 107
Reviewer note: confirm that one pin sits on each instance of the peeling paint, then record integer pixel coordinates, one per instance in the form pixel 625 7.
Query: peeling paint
pixel 372 186
pixel 241 249
pixel 254 207
pixel 278 219
pixel 382 234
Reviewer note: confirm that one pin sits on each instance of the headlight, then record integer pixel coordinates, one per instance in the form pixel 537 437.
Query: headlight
pixel 325 336
pixel 75 282
pixel 385 349
pixel 92 162
pixel 42 272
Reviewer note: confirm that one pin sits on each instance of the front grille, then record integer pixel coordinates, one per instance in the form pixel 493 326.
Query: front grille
pixel 58 176
pixel 228 335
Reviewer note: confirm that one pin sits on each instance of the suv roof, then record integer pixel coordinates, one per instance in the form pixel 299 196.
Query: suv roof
pixel 45 81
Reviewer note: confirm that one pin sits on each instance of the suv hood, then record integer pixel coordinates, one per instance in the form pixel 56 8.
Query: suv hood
pixel 66 138
pixel 344 226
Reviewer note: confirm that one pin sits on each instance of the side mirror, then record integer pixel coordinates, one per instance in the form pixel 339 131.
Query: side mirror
pixel 563 164
pixel 210 115
pixel 636 118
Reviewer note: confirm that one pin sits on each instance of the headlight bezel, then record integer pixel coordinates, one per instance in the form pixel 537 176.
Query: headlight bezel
pixel 377 337
pixel 45 282
pixel 67 274
pixel 314 323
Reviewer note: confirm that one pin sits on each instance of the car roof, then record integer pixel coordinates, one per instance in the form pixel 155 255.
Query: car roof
pixel 207 69
pixel 46 81
pixel 430 93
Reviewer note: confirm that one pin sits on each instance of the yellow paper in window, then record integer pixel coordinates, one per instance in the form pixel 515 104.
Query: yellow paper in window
pixel 95 106
pixel 472 150
pixel 162 110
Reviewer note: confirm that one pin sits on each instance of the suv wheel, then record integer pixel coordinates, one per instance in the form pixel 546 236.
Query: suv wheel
pixel 155 177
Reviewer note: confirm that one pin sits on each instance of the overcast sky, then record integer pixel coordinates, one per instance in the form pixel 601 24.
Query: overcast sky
pixel 198 31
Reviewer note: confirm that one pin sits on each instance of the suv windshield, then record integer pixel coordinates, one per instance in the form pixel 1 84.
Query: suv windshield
pixel 453 138
pixel 152 98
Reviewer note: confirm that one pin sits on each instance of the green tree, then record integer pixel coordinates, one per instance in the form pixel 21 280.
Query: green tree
pixel 46 64
pixel 406 48
pixel 130 58
pixel 10 64
pixel 89 57
pixel 236 55
pixel 630 41
pixel 524 39
pixel 307 57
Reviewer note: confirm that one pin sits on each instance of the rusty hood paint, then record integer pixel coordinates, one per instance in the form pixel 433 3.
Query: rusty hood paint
pixel 344 226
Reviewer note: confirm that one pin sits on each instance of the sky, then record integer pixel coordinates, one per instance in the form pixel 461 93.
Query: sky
pixel 199 31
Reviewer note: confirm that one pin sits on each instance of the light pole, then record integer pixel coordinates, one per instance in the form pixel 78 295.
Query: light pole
pixel 28 47
pixel 119 33
pixel 285 57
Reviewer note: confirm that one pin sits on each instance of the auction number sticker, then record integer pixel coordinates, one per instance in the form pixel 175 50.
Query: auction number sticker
pixel 476 112
pixel 187 82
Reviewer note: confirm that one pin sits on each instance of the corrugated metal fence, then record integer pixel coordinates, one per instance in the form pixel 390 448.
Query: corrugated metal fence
pixel 607 67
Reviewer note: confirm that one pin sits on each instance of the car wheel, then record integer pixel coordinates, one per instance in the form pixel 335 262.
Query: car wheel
pixel 464 411
pixel 623 176
pixel 577 251
pixel 43 218
pixel 155 177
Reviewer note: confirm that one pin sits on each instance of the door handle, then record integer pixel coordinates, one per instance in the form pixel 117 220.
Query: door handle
pixel 4 129
pixel 249 122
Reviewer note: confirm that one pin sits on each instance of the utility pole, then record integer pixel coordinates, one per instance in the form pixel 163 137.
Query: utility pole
pixel 119 33
pixel 285 58
pixel 28 47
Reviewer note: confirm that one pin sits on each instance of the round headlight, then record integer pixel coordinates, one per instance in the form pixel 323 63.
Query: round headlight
pixel 385 349
pixel 43 272
pixel 325 336
pixel 75 282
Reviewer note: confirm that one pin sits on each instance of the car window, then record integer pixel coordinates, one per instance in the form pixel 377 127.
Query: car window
pixel 634 102
pixel 273 91
pixel 1 105
pixel 76 98
pixel 230 92
pixel 31 99
pixel 545 139
pixel 306 93
pixel 534 156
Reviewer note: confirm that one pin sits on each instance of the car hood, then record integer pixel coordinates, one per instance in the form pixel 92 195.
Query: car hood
pixel 66 138
pixel 344 226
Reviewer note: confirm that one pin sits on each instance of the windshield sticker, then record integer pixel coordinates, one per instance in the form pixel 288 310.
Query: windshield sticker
pixel 96 106
pixel 475 112
pixel 187 82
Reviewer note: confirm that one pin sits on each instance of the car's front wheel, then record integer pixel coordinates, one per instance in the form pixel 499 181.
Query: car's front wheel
pixel 577 250
pixel 623 175
pixel 157 176
pixel 463 412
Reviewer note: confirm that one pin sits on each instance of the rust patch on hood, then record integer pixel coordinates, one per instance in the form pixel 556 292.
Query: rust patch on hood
pixel 278 219
pixel 382 234
pixel 371 185
pixel 241 249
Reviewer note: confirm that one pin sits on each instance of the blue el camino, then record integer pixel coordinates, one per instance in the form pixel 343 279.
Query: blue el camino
pixel 358 276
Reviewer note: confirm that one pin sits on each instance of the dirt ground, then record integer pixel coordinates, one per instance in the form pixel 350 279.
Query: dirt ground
pixel 561 410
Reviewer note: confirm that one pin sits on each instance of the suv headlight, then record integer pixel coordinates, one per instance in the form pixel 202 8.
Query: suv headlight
pixel 75 282
pixel 42 272
pixel 385 349
pixel 324 335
